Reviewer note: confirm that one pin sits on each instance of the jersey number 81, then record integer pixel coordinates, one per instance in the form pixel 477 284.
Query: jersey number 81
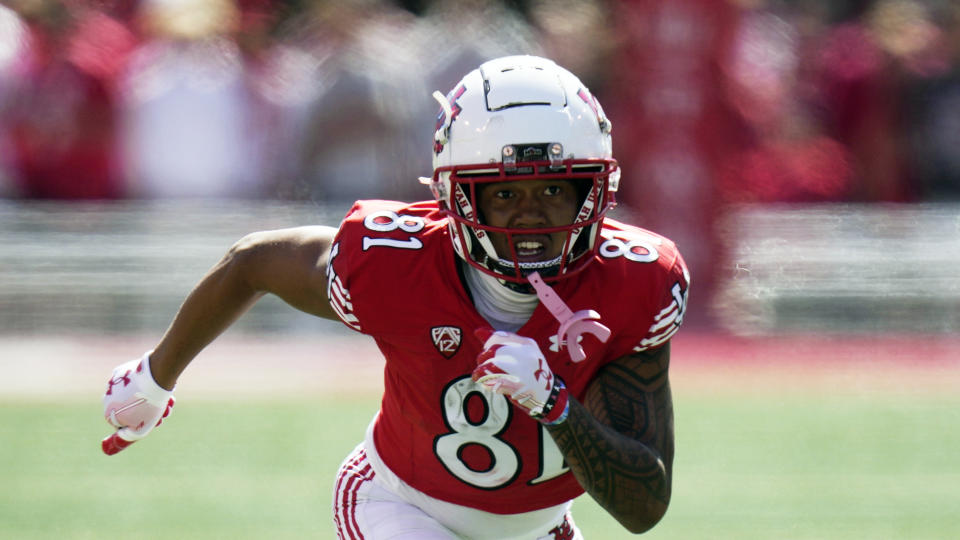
pixel 483 435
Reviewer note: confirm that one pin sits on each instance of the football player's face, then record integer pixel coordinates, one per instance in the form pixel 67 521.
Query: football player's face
pixel 529 204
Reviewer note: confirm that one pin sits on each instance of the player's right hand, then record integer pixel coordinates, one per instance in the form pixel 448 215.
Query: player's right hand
pixel 514 366
pixel 134 404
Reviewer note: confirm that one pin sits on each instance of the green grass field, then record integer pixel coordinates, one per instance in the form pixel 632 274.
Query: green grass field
pixel 761 464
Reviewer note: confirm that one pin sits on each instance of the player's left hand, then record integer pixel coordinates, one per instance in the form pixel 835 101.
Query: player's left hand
pixel 134 404
pixel 514 366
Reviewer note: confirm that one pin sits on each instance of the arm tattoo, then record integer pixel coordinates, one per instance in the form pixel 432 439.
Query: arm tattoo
pixel 619 441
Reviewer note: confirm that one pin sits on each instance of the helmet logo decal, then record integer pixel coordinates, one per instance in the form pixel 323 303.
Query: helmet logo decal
pixel 588 98
pixel 443 123
pixel 532 153
pixel 446 339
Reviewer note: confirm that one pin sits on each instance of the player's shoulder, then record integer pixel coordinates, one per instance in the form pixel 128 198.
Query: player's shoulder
pixel 640 286
pixel 376 234
pixel 391 219
pixel 375 249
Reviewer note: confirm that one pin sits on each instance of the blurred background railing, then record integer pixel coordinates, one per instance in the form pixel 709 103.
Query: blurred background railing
pixel 125 266
pixel 840 269
pixel 803 154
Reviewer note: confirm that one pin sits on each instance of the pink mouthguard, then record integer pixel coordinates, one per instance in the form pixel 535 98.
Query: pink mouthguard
pixel 572 325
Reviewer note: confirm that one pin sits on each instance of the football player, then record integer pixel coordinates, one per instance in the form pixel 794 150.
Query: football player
pixel 526 335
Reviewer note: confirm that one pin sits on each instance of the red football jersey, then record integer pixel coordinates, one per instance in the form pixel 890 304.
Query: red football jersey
pixel 393 275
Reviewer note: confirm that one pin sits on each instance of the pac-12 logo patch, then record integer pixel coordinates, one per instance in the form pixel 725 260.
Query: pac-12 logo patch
pixel 446 339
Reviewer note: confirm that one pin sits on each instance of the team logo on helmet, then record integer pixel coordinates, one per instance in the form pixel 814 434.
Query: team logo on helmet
pixel 592 102
pixel 442 120
pixel 446 339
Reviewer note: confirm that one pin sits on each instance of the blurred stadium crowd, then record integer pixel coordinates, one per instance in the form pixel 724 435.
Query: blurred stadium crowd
pixel 806 100
pixel 713 102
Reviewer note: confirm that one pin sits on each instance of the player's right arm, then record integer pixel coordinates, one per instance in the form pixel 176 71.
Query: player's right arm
pixel 289 263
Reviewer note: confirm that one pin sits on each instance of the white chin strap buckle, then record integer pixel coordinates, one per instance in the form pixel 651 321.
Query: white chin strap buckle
pixel 572 325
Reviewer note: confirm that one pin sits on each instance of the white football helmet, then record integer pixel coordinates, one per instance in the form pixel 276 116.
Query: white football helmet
pixel 522 118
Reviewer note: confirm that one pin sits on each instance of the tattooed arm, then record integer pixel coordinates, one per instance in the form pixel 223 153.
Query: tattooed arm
pixel 619 441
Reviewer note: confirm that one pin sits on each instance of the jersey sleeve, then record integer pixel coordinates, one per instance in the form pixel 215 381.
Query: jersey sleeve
pixel 669 309
pixel 339 267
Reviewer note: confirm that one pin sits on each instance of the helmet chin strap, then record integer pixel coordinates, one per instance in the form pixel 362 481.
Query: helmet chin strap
pixel 541 265
pixel 549 268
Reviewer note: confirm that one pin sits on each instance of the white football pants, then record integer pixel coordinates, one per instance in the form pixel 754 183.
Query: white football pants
pixel 370 507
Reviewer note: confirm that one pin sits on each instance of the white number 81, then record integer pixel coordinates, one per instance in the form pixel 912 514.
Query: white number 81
pixel 388 220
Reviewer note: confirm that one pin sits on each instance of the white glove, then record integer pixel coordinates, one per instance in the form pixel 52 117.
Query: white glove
pixel 513 365
pixel 134 404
